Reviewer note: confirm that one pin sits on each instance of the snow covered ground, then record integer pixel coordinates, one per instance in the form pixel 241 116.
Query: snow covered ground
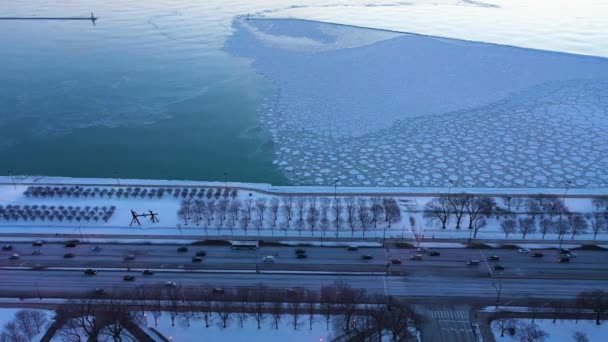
pixel 562 330
pixel 360 106
pixel 411 226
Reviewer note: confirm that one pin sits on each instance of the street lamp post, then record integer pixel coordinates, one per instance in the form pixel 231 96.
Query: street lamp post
pixel 226 180
pixel 10 174
pixel 335 188
pixel 117 178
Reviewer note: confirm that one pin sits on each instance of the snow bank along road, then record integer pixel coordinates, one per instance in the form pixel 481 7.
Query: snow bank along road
pixel 445 275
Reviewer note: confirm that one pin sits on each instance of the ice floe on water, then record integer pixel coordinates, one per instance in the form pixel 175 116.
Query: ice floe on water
pixel 376 108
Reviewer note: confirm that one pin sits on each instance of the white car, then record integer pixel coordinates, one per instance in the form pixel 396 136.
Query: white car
pixel 14 256
pixel 268 258
pixel 524 250
pixel 170 283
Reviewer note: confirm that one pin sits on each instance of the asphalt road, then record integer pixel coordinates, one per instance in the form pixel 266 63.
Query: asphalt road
pixel 440 276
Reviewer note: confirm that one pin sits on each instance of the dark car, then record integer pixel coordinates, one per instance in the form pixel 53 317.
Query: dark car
pixel 147 272
pixel 497 268
pixel 100 291
pixel 433 253
pixel 201 253
pixel 366 257
pixel 472 262
pixel 7 247
pixel 182 249
pixel 197 259
pixel 417 257
pixel 37 243
pixel 90 271
pixel 301 256
pixel 537 255
pixel 300 251
pixel 129 257
pixel 564 251
pixel 128 278
pixel 395 261
pixel 493 258
pixel 564 259
pixel 71 244
pixel 68 255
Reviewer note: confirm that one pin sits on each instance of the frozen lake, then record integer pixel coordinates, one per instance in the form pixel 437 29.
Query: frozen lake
pixel 150 91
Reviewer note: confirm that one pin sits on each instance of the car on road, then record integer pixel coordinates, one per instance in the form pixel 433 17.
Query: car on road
pixel 71 244
pixel 7 247
pixel 493 258
pixel 433 253
pixel 498 268
pixel 366 257
pixel 68 255
pixel 524 250
pixel 147 272
pixel 96 248
pixel 416 257
pixel 38 243
pixel 14 256
pixel 301 256
pixel 36 252
pixel 537 255
pixel 571 255
pixel 421 250
pixel 268 258
pixel 197 259
pixel 90 271
pixel 564 251
pixel 218 290
pixel 182 249
pixel 473 262
pixel 100 291
pixel 128 278
pixel 352 248
pixel 563 259
pixel 129 257
pixel 201 253
pixel 170 283
pixel 300 251
pixel 395 261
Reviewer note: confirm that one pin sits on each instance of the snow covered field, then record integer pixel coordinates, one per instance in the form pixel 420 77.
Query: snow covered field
pixel 562 330
pixel 361 106
pixel 411 225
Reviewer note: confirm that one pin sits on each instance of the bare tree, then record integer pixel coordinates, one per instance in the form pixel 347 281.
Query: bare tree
pixel 392 212
pixel 578 224
pixel 435 209
pixel 300 206
pixel 337 209
pixel 505 324
pixel 294 307
pixel 312 217
pixel 348 300
pixel 458 204
pixel 276 308
pixel 596 300
pixel 311 299
pixel 328 302
pixel 259 297
pixel 580 336
pixel 12 333
pixel 598 223
pixel 350 213
pixel 274 210
pixel 546 225
pixel 561 227
pixel 527 225
pixel 242 297
pixel 363 215
pixel 288 202
pixel 324 210
pixel 24 321
pixel 233 211
pixel 223 310
pixel 476 207
pixel 222 207
pixel 508 227
pixel 478 223
pixel 531 332
pixel 402 320
pixel 260 205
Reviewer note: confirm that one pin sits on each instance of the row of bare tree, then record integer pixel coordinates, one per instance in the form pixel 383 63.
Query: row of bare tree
pixel 524 215
pixel 24 326
pixel 292 212
pixel 128 192
pixel 354 314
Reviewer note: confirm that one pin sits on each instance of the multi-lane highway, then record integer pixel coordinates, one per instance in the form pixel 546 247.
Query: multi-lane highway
pixel 446 275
